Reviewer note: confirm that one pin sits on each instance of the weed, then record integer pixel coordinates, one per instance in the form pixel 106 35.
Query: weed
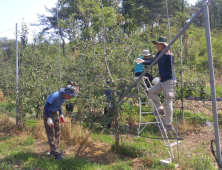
pixel 29 141
pixel 4 138
pixel 39 131
pixel 6 166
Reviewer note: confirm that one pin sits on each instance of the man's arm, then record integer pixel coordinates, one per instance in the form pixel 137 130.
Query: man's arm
pixel 60 111
pixel 148 61
pixel 47 109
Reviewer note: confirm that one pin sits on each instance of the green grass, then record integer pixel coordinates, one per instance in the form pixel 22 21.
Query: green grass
pixel 20 151
pixel 32 123
pixel 106 137
pixel 29 141
pixel 10 144
pixel 194 119
pixel 2 138
pixel 30 160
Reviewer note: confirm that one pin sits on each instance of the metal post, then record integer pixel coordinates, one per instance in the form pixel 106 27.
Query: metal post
pixel 212 80
pixel 22 51
pixel 16 73
pixel 161 54
pixel 59 48
pixel 104 39
pixel 94 54
pixel 181 64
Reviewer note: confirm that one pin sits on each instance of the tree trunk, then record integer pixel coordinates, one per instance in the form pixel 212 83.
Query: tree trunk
pixel 116 130
pixel 151 31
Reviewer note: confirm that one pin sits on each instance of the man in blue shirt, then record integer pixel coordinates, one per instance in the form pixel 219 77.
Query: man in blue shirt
pixel 51 120
pixel 139 67
pixel 166 84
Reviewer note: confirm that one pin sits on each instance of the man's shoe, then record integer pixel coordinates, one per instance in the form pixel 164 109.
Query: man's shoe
pixel 160 111
pixel 168 127
pixel 59 156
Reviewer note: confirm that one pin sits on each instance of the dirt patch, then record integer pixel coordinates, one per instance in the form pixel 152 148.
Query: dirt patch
pixel 199 106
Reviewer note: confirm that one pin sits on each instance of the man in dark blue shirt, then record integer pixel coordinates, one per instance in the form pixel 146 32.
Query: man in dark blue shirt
pixel 166 84
pixel 51 121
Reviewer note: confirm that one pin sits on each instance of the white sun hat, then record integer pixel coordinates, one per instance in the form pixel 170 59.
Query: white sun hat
pixel 146 53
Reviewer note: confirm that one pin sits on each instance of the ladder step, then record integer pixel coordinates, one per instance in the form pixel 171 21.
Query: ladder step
pixel 146 112
pixel 149 123
pixel 173 144
pixel 144 102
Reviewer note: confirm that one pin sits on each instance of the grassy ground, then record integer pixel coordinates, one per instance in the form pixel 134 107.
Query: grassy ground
pixel 26 147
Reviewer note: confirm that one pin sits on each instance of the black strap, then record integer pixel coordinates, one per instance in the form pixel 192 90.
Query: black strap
pixel 213 152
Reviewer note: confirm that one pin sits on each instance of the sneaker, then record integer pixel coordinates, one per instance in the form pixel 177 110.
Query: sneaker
pixel 168 127
pixel 61 152
pixel 59 156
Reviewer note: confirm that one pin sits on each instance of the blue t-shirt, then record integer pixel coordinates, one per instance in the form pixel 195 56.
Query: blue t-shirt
pixel 56 101
pixel 139 67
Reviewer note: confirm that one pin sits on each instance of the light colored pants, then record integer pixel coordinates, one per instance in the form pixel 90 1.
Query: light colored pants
pixel 168 91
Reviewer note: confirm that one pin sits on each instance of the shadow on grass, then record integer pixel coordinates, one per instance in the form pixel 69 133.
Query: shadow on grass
pixel 32 160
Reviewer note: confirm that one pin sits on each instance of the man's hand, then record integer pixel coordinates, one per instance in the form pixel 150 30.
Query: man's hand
pixel 62 119
pixel 168 53
pixel 50 122
pixel 139 61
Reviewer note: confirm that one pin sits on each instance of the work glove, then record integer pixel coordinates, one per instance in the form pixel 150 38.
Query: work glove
pixel 50 122
pixel 139 60
pixel 62 119
pixel 155 80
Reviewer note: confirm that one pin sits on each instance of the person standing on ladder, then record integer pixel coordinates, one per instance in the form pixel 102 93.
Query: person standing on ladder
pixel 139 67
pixel 53 104
pixel 166 84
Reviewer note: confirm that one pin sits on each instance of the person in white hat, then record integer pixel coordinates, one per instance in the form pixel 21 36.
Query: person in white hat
pixel 53 104
pixel 139 66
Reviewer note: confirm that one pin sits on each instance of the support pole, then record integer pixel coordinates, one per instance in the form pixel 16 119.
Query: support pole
pixel 212 80
pixel 161 54
pixel 16 72
pixel 104 31
pixel 181 64
pixel 94 54
pixel 104 46
pixel 59 48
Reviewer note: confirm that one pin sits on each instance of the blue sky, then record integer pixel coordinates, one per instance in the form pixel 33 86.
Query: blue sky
pixel 13 11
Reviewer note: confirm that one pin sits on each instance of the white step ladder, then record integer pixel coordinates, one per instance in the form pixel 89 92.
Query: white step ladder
pixel 142 86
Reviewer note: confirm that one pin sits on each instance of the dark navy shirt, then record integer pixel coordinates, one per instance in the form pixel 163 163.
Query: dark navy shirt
pixel 165 67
